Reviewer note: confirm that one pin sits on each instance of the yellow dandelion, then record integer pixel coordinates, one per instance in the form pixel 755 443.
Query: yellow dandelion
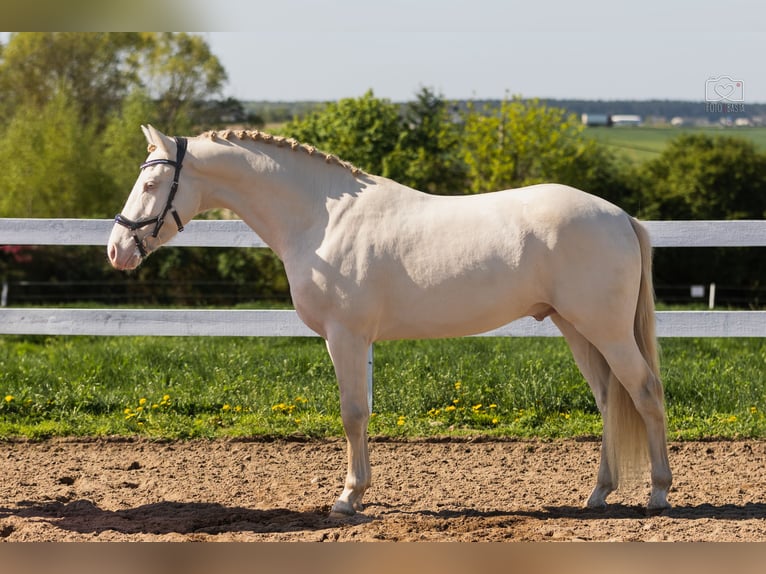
pixel 458 384
pixel 8 398
pixel 493 406
pixel 495 421
pixel 142 401
pixel 400 422
pixel 283 408
pixel 226 408
pixel 476 407
pixel 450 408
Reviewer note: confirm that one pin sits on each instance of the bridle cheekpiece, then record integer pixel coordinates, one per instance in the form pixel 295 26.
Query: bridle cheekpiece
pixel 158 220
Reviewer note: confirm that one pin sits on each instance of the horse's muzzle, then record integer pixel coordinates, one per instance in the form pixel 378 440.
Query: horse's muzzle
pixel 123 258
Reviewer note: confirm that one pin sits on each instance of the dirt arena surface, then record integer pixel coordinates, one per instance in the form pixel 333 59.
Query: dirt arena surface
pixel 110 490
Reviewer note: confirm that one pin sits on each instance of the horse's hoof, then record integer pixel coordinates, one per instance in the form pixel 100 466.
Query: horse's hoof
pixel 597 499
pixel 655 509
pixel 599 505
pixel 658 502
pixel 342 509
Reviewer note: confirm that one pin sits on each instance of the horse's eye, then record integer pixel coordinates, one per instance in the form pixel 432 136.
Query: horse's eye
pixel 149 186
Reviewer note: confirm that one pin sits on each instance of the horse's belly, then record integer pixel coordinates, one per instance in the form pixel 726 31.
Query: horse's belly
pixel 451 313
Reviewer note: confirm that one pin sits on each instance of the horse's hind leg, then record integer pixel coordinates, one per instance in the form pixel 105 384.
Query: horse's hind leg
pixel 349 356
pixel 596 371
pixel 645 391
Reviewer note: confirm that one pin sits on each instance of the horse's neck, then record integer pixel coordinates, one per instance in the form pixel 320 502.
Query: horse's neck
pixel 276 196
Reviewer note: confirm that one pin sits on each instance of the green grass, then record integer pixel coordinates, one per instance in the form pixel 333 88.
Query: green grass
pixel 212 387
pixel 642 143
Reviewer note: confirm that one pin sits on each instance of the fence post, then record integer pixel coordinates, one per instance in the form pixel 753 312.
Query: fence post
pixel 4 294
pixel 369 378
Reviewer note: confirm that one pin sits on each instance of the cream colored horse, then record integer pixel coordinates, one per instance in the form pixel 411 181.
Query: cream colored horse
pixel 369 259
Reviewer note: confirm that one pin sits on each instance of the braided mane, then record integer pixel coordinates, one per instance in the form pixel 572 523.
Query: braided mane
pixel 281 141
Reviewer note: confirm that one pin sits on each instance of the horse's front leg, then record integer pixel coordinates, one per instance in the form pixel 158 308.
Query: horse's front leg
pixel 349 357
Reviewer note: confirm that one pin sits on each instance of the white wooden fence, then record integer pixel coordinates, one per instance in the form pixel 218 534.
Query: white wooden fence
pixel 262 323
pixel 272 323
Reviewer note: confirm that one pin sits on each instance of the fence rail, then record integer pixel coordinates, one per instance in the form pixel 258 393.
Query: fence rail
pixel 234 233
pixel 285 323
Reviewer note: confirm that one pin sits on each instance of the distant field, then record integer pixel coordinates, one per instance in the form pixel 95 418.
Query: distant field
pixel 642 143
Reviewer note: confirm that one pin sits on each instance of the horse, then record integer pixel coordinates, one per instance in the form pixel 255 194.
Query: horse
pixel 369 259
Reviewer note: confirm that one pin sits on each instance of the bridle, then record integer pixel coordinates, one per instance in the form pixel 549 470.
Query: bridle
pixel 158 220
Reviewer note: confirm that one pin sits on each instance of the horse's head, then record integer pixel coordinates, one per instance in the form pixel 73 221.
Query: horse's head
pixel 140 228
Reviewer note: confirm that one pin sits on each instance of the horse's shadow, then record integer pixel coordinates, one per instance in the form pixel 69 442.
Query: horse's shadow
pixel 746 511
pixel 85 517
pixel 187 518
pixel 732 512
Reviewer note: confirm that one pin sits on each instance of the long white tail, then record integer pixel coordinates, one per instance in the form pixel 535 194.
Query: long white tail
pixel 626 447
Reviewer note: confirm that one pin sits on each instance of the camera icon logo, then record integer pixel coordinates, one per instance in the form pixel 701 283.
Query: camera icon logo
pixel 724 89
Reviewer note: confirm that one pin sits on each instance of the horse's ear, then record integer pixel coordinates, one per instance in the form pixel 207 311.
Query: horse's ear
pixel 156 139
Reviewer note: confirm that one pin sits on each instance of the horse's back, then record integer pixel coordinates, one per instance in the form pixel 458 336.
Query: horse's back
pixel 412 265
pixel 485 260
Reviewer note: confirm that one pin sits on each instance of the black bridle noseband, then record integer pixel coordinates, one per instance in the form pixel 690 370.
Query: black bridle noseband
pixel 158 220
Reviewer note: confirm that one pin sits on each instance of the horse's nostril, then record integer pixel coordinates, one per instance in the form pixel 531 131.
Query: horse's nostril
pixel 112 252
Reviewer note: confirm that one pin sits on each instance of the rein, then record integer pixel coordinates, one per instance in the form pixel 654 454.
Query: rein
pixel 158 220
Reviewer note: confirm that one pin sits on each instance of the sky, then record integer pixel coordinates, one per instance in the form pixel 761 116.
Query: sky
pixel 290 50
pixel 293 50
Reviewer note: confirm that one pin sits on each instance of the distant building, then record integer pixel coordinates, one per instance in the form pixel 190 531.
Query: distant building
pixel 596 119
pixel 626 120
pixel 609 120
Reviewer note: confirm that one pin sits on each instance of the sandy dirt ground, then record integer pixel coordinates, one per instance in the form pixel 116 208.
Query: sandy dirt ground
pixel 94 490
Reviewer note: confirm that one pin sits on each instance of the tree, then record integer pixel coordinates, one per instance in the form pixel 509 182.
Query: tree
pixel 95 69
pixel 70 146
pixel 362 130
pixel 123 144
pixel 182 74
pixel 416 144
pixel 51 164
pixel 69 126
pixel 702 177
pixel 524 142
pixel 100 69
pixel 427 153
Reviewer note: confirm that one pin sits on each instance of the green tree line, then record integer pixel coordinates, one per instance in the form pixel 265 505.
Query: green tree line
pixel 72 104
